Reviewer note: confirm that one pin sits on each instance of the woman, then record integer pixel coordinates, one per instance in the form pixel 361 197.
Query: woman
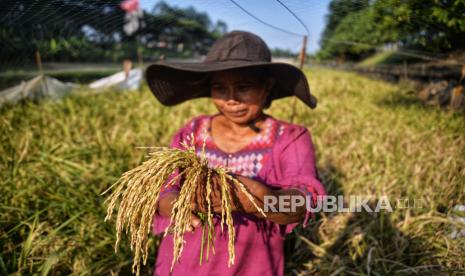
pixel 271 157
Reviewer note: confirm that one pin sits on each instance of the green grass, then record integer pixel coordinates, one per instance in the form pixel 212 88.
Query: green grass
pixel 372 138
pixel 388 58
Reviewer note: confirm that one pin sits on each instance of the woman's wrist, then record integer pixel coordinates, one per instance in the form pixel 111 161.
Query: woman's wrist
pixel 165 203
pixel 257 190
pixel 275 214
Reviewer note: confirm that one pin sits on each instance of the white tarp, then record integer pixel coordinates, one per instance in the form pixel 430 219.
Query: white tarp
pixel 36 88
pixel 119 81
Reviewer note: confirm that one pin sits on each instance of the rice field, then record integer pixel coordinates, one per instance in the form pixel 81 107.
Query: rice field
pixel 372 138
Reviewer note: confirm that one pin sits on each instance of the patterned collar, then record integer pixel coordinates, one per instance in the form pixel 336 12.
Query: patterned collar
pixel 247 161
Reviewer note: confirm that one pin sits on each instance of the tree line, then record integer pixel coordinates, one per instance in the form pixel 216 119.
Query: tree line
pixel 89 30
pixel 357 28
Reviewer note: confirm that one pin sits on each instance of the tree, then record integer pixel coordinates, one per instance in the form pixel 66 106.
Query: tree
pixel 338 10
pixel 354 36
pixel 28 25
pixel 355 29
pixel 69 30
pixel 183 25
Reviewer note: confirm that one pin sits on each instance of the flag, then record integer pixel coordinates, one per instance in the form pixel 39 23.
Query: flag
pixel 130 5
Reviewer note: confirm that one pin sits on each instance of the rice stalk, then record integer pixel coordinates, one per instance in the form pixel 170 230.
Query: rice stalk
pixel 138 191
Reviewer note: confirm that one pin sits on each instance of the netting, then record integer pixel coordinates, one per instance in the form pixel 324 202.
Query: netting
pixel 371 136
pixel 103 32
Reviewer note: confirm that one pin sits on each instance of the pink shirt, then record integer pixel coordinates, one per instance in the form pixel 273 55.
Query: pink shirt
pixel 281 156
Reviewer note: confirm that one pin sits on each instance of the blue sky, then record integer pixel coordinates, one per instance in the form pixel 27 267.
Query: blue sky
pixel 311 12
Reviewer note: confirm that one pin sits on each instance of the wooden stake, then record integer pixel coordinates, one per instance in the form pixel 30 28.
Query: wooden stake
pixel 462 78
pixel 41 71
pixel 39 63
pixel 127 66
pixel 303 54
pixel 405 70
pixel 139 57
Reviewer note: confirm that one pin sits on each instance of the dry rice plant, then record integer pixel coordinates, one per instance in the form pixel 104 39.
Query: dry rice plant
pixel 139 190
pixel 56 158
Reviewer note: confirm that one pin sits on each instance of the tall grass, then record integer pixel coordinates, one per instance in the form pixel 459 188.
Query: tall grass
pixel 371 138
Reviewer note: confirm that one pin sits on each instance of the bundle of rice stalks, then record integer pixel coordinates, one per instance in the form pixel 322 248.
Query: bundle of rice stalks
pixel 139 190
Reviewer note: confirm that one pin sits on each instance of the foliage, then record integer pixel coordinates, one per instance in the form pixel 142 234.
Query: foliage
pixel 338 9
pixel 433 26
pixel 277 52
pixel 387 58
pixel 348 31
pixel 86 30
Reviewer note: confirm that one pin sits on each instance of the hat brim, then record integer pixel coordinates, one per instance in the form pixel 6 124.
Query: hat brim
pixel 174 83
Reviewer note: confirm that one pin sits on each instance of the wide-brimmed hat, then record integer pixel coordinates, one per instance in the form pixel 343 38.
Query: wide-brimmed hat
pixel 173 83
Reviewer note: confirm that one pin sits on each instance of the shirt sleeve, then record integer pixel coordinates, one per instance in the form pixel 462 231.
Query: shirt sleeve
pixel 160 223
pixel 297 168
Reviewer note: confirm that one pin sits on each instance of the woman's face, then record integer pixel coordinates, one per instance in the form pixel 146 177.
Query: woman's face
pixel 239 95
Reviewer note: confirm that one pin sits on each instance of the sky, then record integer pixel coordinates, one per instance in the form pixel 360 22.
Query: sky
pixel 311 12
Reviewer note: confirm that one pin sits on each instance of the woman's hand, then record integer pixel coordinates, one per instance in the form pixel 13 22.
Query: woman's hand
pixel 239 200
pixel 255 188
pixel 165 207
pixel 199 201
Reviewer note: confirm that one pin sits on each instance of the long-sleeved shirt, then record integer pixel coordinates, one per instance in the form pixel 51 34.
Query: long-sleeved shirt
pixel 280 156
